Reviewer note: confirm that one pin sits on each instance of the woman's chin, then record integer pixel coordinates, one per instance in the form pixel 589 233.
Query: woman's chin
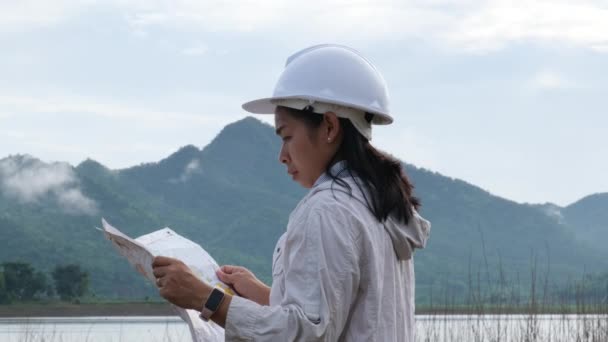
pixel 302 183
pixel 306 185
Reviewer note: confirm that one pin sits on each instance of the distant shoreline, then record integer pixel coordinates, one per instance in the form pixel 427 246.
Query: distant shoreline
pixel 164 309
pixel 86 309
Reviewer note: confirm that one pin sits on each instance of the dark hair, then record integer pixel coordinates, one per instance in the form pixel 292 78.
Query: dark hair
pixel 382 175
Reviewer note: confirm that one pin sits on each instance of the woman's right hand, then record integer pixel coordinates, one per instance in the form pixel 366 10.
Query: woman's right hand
pixel 245 283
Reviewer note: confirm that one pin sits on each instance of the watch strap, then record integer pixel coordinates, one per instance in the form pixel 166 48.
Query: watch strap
pixel 212 304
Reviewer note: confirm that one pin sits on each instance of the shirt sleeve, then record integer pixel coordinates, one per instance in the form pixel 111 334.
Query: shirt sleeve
pixel 321 279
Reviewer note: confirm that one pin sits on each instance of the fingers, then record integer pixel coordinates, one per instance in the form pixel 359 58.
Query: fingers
pixel 163 261
pixel 161 267
pixel 160 271
pixel 164 293
pixel 229 279
pixel 229 269
pixel 225 277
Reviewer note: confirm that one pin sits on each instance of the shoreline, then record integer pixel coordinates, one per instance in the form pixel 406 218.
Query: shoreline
pixel 86 309
pixel 60 309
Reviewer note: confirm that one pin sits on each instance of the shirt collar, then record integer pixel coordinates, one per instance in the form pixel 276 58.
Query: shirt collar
pixel 334 170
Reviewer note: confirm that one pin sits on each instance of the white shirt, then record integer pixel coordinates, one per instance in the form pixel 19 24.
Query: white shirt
pixel 338 274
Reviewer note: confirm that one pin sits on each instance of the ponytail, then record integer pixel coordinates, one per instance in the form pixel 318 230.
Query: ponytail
pixel 389 188
pixel 390 191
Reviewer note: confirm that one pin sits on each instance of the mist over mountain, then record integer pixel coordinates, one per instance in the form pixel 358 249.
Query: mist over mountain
pixel 234 198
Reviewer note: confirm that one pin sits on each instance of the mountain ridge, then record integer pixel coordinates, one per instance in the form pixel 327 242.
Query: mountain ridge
pixel 233 197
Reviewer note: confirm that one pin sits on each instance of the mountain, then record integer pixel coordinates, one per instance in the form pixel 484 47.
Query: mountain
pixel 586 218
pixel 234 198
pixel 590 218
pixel 475 231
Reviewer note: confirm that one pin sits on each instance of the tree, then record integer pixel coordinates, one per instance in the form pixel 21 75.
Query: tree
pixel 22 282
pixel 70 281
pixel 3 294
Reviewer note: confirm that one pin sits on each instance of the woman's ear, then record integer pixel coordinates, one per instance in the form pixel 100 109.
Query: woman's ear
pixel 332 126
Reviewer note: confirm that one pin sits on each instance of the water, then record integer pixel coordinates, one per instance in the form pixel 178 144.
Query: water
pixel 93 329
pixel 541 328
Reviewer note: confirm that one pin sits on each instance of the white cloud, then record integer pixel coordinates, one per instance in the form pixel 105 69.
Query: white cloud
pixel 103 108
pixel 496 24
pixel 74 202
pixel 194 166
pixel 472 25
pixel 553 212
pixel 549 80
pixel 196 50
pixel 29 180
pixel 601 47
pixel 329 20
pixel 13 134
pixel 24 15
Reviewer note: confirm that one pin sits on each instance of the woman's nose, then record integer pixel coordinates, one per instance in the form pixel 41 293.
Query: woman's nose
pixel 283 157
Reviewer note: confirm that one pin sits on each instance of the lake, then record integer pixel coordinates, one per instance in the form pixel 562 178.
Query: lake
pixel 435 328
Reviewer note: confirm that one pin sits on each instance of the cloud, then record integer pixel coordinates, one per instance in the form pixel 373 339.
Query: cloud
pixel 74 202
pixel 29 180
pixel 494 25
pixel 554 212
pixel 103 108
pixel 196 50
pixel 327 20
pixel 549 80
pixel 194 166
pixel 13 134
pixel 468 25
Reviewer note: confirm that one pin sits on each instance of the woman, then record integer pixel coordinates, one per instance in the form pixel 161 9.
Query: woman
pixel 343 270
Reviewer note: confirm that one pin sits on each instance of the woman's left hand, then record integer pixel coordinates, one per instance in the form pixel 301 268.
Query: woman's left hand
pixel 177 283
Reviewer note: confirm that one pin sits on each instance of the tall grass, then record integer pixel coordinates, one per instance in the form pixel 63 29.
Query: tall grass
pixel 494 309
pixel 497 310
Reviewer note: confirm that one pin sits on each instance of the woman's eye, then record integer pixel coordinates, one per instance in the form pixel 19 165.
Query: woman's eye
pixel 287 138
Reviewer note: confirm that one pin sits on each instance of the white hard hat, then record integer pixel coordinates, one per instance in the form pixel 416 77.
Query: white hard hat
pixel 330 78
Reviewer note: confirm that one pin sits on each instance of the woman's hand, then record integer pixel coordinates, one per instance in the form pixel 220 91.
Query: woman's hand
pixel 245 283
pixel 178 285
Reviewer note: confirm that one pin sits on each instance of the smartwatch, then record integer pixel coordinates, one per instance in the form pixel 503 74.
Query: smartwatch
pixel 212 304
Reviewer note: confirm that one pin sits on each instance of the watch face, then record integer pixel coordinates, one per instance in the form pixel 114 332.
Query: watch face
pixel 214 300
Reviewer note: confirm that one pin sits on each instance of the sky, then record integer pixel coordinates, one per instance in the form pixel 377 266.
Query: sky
pixel 507 95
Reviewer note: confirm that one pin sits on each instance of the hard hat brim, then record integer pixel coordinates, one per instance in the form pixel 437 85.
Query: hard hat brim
pixel 260 106
pixel 267 106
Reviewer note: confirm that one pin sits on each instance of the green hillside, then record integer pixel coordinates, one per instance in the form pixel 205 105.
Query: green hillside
pixel 234 198
pixel 589 216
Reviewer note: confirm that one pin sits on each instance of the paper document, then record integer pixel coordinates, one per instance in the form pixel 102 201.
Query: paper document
pixel 165 242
